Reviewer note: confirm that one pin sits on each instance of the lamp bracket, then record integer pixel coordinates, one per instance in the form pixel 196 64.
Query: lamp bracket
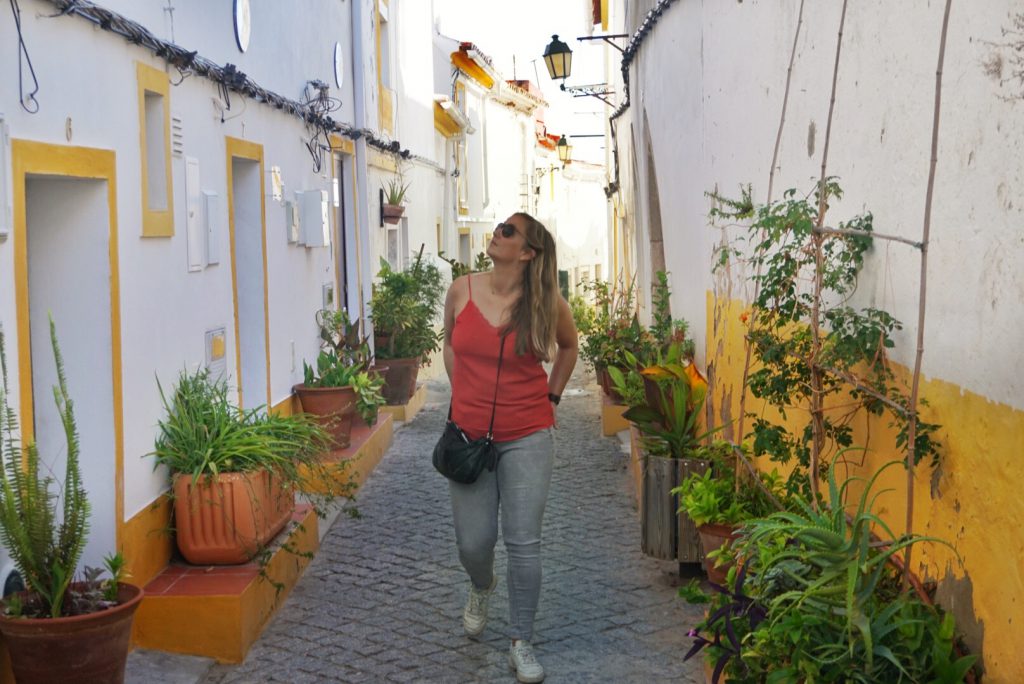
pixel 606 38
pixel 599 90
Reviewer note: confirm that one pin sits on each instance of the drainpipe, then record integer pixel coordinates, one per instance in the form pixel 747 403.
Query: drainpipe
pixel 483 133
pixel 448 222
pixel 360 21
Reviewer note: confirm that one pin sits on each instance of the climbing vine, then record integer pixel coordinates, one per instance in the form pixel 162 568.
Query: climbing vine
pixel 797 290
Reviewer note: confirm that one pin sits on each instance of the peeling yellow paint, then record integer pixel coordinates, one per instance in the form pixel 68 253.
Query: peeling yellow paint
pixel 971 500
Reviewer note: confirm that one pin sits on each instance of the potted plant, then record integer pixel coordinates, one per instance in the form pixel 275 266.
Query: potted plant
pixel 394 196
pixel 234 472
pixel 668 421
pixel 720 500
pixel 818 598
pixel 615 338
pixel 335 391
pixel 404 307
pixel 614 331
pixel 344 381
pixel 59 629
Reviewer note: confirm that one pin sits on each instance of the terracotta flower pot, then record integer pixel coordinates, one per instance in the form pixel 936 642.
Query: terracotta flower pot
pixel 333 408
pixel 225 520
pixel 80 648
pixel 393 213
pixel 712 537
pixel 400 380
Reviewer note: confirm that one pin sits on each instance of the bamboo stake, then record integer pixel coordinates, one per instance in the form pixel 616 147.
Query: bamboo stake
pixel 922 299
pixel 785 102
pixel 757 281
pixel 864 233
pixel 817 389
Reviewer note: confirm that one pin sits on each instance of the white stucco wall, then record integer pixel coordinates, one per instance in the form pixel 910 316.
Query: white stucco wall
pixel 165 310
pixel 500 158
pixel 572 204
pixel 713 117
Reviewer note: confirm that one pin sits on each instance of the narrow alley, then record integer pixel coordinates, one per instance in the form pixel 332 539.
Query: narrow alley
pixel 382 600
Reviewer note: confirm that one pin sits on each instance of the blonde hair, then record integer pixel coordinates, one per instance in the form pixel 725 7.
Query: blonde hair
pixel 535 314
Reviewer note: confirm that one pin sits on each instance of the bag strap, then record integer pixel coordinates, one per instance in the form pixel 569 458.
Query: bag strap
pixel 494 404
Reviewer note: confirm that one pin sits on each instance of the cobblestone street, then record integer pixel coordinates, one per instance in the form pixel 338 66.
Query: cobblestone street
pixel 382 600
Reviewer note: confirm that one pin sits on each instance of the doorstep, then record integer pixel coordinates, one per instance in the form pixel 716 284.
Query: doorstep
pixel 219 611
pixel 407 411
pixel 612 421
pixel 366 448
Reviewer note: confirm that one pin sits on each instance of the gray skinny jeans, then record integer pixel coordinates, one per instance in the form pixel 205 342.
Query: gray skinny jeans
pixel 520 483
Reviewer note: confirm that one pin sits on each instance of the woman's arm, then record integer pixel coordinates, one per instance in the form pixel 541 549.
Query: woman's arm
pixel 451 302
pixel 567 341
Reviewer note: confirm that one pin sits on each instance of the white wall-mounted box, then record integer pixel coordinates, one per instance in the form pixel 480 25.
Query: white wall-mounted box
pixel 212 221
pixel 314 210
pixel 292 224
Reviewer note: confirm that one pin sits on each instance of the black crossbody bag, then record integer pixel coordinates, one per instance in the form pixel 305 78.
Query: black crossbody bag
pixel 456 456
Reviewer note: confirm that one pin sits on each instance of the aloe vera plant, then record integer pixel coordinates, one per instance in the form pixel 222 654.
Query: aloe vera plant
pixel 817 600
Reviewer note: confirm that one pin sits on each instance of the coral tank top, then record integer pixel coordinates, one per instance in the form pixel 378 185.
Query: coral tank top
pixel 522 407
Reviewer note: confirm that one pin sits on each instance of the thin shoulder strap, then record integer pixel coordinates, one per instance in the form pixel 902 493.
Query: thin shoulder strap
pixel 494 405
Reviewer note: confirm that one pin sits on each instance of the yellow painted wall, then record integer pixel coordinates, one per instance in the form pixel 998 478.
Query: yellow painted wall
pixel 971 500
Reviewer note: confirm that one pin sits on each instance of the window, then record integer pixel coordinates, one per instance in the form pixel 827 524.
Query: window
pixel 397 243
pixel 155 152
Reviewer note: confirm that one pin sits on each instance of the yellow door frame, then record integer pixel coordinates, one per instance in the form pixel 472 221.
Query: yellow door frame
pixel 243 149
pixel 31 158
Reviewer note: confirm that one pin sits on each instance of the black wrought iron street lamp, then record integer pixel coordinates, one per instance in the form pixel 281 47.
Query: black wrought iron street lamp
pixel 564 150
pixel 558 58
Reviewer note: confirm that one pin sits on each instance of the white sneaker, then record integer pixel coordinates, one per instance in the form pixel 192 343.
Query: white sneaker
pixel 474 617
pixel 522 660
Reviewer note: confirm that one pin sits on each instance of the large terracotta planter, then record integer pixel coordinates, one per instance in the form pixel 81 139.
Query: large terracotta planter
pixel 225 520
pixel 712 537
pixel 333 408
pixel 400 380
pixel 82 649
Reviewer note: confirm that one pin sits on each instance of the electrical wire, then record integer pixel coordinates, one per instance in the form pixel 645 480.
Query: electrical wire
pixel 628 55
pixel 315 111
pixel 24 59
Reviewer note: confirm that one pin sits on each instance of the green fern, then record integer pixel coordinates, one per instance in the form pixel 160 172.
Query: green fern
pixel 45 552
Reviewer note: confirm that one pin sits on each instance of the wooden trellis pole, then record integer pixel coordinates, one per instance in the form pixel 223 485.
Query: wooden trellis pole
pixel 748 347
pixel 923 296
pixel 817 240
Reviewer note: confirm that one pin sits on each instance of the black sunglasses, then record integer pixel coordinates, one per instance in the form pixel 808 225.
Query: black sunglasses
pixel 507 229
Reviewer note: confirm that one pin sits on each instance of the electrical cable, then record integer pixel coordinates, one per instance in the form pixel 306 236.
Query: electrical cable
pixel 628 55
pixel 228 78
pixel 24 58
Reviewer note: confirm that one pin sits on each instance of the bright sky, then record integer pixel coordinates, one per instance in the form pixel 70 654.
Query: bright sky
pixel 520 30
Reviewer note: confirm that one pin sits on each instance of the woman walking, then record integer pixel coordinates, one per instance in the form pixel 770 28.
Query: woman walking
pixel 515 316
